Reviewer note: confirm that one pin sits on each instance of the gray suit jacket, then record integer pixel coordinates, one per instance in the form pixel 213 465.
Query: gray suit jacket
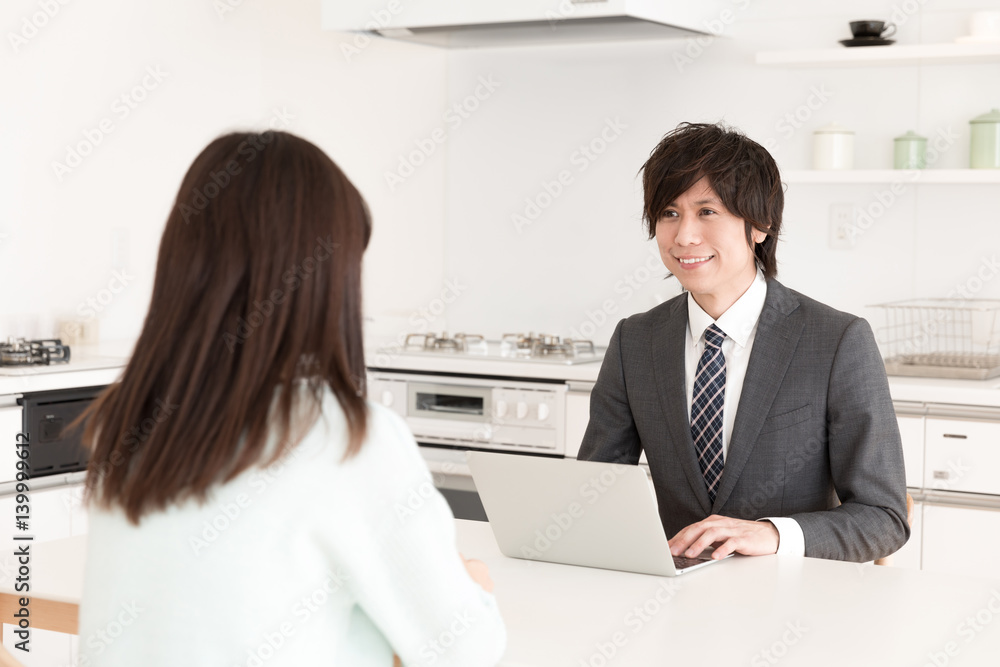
pixel 815 436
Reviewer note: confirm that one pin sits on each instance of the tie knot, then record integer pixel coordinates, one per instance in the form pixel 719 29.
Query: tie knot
pixel 714 336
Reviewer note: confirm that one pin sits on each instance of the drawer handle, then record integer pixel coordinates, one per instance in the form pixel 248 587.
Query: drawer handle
pixel 942 474
pixel 956 435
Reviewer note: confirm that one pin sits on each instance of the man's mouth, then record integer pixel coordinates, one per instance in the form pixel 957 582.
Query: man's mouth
pixel 695 260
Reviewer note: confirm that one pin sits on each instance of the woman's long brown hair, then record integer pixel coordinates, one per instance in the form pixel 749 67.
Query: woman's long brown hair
pixel 257 288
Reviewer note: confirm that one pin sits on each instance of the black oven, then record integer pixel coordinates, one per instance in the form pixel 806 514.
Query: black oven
pixel 46 416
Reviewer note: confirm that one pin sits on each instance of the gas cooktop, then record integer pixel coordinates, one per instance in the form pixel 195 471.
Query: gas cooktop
pixel 531 348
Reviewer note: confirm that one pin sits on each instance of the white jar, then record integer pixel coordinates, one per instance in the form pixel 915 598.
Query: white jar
pixel 833 147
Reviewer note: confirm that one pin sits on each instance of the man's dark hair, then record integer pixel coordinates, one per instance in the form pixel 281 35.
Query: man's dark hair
pixel 740 170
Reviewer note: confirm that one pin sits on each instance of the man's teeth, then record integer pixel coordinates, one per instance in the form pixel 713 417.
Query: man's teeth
pixel 695 261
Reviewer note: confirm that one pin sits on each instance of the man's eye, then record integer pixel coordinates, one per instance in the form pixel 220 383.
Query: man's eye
pixel 707 211
pixel 669 214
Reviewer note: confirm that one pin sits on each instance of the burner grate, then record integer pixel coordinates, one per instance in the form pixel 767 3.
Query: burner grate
pixel 21 352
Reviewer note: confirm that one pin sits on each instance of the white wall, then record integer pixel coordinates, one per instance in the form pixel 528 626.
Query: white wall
pixel 567 268
pixel 445 232
pixel 223 71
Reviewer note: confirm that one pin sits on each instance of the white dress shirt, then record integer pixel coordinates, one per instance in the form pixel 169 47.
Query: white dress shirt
pixel 739 323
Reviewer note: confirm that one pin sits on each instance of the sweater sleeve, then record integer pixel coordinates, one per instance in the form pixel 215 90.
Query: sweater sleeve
pixel 400 560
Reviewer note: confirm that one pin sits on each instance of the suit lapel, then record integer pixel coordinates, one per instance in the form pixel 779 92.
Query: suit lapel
pixel 668 339
pixel 778 332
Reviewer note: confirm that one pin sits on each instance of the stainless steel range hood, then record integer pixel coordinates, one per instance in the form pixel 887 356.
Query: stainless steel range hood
pixel 485 23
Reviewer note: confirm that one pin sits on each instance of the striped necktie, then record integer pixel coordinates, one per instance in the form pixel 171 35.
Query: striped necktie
pixel 706 408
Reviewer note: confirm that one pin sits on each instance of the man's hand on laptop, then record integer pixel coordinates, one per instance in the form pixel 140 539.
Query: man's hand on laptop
pixel 728 535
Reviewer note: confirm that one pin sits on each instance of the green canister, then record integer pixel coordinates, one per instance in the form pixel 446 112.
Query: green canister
pixel 910 151
pixel 984 150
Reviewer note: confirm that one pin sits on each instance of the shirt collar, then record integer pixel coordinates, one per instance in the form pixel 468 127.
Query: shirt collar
pixel 737 322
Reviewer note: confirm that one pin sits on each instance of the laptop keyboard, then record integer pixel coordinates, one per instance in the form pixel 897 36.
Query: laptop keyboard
pixel 682 562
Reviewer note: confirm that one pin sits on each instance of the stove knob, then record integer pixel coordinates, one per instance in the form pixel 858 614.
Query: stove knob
pixel 543 411
pixel 387 398
pixel 522 409
pixel 501 409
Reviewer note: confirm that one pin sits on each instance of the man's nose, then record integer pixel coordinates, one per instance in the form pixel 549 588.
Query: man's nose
pixel 688 232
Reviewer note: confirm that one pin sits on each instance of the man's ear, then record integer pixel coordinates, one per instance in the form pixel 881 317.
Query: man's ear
pixel 757 235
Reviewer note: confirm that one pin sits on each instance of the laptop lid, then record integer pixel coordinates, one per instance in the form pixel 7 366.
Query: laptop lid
pixel 573 512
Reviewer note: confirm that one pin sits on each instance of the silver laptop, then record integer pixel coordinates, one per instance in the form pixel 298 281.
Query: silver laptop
pixel 576 513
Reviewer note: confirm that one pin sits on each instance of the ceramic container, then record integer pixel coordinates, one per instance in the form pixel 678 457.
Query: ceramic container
pixel 984 149
pixel 833 147
pixel 910 151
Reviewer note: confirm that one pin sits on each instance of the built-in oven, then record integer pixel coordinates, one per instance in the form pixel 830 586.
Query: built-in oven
pixel 451 414
pixel 54 449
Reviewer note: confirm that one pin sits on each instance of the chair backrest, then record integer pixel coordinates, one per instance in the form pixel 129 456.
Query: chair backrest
pixel 7 660
pixel 909 519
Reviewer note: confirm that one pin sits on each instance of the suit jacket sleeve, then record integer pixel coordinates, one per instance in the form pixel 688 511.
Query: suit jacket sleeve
pixel 865 458
pixel 611 434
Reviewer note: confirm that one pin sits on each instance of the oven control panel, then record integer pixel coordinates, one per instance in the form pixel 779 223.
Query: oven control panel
pixel 477 413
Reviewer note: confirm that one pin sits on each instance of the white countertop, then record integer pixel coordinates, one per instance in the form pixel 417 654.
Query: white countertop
pixel 803 611
pixel 88 367
pixel 806 611
pixel 983 393
pixel 389 358
pixel 103 365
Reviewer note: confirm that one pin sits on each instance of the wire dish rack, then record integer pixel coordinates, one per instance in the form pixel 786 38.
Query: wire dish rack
pixel 944 338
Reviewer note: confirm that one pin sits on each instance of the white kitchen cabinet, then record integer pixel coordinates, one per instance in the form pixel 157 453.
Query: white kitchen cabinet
pixel 911 430
pixel 962 455
pixel 55 513
pixel 577 415
pixel 10 427
pixel 965 540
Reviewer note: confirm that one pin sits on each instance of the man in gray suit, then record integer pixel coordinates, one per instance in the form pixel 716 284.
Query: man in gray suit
pixel 765 415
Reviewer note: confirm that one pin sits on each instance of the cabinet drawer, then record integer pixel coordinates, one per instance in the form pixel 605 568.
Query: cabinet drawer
pixel 10 426
pixel 962 455
pixel 947 532
pixel 911 430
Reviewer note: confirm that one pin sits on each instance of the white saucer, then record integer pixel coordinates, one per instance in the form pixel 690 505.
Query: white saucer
pixel 977 39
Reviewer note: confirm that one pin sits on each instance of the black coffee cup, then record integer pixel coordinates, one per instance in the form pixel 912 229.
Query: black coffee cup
pixel 872 29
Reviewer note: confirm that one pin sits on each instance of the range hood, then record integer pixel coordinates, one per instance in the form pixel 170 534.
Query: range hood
pixel 485 23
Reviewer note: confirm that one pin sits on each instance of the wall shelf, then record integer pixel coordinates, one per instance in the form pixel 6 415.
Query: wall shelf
pixel 899 54
pixel 935 176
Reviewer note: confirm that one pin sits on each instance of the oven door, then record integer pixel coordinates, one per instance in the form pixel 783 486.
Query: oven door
pixel 449 413
pixel 449 402
pixel 46 416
